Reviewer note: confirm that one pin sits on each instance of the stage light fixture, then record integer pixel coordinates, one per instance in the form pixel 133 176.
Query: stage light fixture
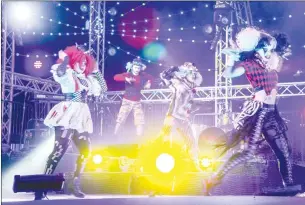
pixel 38 183
pixel 97 159
pixel 165 163
pixel 205 162
pixel 37 64
pixel 224 20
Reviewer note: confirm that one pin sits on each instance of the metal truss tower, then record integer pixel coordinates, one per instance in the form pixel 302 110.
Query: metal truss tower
pixel 97 32
pixel 8 65
pixel 240 16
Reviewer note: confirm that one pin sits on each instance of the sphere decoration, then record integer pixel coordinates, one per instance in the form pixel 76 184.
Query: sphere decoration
pixel 111 51
pixel 208 138
pixel 84 8
pixel 112 11
pixel 208 29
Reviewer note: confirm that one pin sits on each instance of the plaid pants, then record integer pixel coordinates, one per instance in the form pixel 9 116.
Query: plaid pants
pixel 128 106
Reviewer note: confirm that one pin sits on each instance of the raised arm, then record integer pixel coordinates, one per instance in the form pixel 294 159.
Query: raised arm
pixel 167 75
pixel 232 71
pixel 64 77
pixel 120 77
pixel 98 75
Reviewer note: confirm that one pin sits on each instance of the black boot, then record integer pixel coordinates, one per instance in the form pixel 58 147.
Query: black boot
pixel 76 188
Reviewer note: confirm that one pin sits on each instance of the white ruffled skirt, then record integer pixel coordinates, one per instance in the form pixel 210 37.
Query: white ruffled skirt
pixel 70 115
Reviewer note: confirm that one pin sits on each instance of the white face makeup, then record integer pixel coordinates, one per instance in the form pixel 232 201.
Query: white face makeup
pixel 266 51
pixel 136 69
pixel 189 71
pixel 80 68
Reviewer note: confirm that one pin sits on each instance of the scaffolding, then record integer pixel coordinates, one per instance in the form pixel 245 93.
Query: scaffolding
pixel 223 93
pixel 8 65
pixel 97 32
pixel 240 16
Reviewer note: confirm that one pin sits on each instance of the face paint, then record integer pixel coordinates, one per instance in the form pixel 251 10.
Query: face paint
pixel 266 51
pixel 80 67
pixel 136 69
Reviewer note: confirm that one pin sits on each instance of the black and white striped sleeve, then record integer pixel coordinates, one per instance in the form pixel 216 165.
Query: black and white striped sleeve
pixel 98 75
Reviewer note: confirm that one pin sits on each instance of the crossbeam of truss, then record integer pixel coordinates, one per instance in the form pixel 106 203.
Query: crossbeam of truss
pixel 31 84
pixel 209 93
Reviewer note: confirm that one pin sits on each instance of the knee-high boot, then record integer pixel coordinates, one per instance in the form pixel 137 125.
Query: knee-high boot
pixel 75 185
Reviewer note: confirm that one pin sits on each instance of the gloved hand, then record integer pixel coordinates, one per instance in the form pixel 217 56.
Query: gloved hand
pixel 169 73
pixel 61 69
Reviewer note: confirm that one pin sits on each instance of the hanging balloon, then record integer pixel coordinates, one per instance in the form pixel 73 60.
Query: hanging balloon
pixel 208 29
pixel 111 51
pixel 112 11
pixel 84 8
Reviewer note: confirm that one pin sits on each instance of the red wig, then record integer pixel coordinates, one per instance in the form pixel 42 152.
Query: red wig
pixel 77 56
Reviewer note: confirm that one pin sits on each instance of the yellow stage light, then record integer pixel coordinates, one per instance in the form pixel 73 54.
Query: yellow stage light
pixel 97 159
pixel 165 163
pixel 206 162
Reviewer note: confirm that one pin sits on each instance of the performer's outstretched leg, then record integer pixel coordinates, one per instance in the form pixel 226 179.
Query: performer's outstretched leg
pixel 82 142
pixel 282 152
pixel 184 128
pixel 275 134
pixel 62 142
pixel 138 118
pixel 125 109
pixel 186 131
pixel 242 156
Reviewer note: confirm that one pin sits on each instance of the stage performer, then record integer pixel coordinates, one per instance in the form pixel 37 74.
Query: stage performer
pixel 79 77
pixel 135 80
pixel 183 81
pixel 260 56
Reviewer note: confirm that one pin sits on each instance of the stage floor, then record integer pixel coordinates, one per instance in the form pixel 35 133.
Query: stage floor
pixel 27 199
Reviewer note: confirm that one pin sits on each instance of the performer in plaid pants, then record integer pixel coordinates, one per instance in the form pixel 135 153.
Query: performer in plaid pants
pixel 135 80
pixel 78 75
pixel 260 57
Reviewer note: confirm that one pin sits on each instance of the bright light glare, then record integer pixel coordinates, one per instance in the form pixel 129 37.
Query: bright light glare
pixel 21 11
pixel 165 163
pixel 205 162
pixel 33 163
pixel 97 159
pixel 22 14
